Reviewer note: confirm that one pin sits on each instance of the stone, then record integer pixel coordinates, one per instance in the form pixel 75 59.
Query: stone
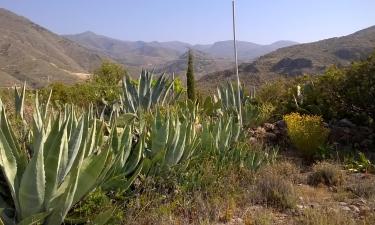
pixel 354 208
pixel 269 127
pixel 346 123
pixel 281 124
pixel 253 140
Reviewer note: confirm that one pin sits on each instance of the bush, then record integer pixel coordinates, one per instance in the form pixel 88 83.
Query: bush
pixel 342 93
pixel 325 173
pixel 275 191
pixel 306 132
pixel 364 189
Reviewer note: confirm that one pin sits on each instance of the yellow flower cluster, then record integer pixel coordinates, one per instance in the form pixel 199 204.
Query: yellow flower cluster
pixel 306 132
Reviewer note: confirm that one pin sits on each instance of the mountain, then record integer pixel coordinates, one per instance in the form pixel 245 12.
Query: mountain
pixel 310 58
pixel 203 64
pixel 136 53
pixel 31 53
pixel 171 56
pixel 247 51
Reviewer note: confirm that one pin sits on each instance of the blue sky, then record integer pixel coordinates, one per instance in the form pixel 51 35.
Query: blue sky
pixel 200 21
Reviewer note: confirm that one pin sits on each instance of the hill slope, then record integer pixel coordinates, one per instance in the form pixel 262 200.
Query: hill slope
pixel 203 64
pixel 29 52
pixel 311 58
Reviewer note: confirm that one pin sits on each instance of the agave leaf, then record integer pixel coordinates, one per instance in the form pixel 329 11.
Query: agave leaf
pixel 126 145
pixel 54 162
pixel 159 134
pixel 91 169
pixel 103 217
pixel 63 198
pixel 9 168
pixel 34 219
pixel 91 140
pixel 75 144
pixel 120 182
pixel 179 148
pixel 32 186
pixel 135 157
pixel 10 137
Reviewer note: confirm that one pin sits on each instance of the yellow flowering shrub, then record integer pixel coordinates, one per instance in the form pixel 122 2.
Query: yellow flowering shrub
pixel 306 132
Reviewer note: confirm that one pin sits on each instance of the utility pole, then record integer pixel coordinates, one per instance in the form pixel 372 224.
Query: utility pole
pixel 236 63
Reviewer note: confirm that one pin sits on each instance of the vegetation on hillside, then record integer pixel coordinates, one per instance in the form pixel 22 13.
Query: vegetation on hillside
pixel 149 157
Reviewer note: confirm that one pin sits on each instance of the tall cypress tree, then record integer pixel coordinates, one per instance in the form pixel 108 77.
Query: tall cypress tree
pixel 190 81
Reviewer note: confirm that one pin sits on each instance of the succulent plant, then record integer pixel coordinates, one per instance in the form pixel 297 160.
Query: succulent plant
pixel 172 141
pixel 68 159
pixel 148 94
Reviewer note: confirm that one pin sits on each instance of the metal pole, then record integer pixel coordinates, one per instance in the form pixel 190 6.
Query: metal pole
pixel 236 62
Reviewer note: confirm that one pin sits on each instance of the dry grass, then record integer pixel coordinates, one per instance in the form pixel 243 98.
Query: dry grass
pixel 327 174
pixel 324 217
pixel 275 191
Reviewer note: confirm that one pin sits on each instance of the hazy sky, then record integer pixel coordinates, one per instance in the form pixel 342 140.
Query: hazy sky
pixel 200 21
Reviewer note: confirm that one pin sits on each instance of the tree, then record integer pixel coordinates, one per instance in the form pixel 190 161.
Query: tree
pixel 190 81
pixel 109 74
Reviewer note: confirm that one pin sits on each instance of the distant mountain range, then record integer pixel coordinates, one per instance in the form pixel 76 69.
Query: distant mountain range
pixel 311 58
pixel 170 56
pixel 29 52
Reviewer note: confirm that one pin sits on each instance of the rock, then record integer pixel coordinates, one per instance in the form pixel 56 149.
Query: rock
pixel 354 208
pixel 281 124
pixel 269 127
pixel 346 208
pixel 343 203
pixel 253 140
pixel 345 123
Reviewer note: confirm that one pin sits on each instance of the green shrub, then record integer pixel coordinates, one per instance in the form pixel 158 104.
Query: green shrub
pixel 81 94
pixel 306 132
pixel 325 173
pixel 342 93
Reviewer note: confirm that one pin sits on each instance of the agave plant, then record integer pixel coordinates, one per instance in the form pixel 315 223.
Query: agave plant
pixel 67 160
pixel 171 142
pixel 227 95
pixel 218 136
pixel 148 94
pixel 127 165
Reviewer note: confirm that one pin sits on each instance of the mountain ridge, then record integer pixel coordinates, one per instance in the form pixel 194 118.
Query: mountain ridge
pixel 307 58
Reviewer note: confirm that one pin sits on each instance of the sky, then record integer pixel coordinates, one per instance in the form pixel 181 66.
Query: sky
pixel 200 21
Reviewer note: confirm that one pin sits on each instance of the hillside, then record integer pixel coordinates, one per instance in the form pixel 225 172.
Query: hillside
pixel 31 53
pixel 311 58
pixel 137 53
pixel 203 64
